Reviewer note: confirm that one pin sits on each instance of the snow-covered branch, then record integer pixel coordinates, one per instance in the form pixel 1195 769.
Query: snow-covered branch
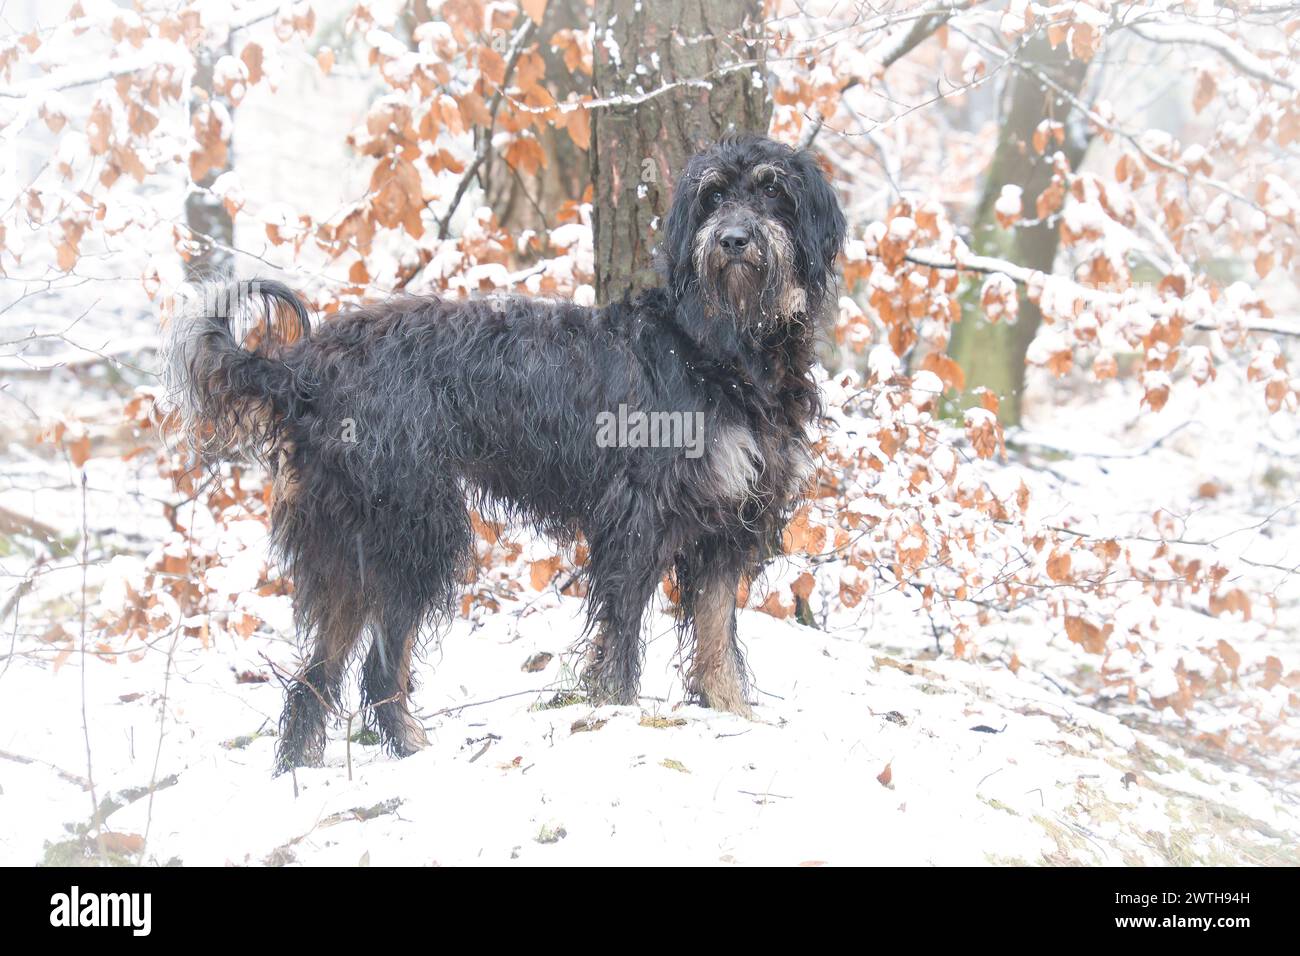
pixel 989 265
pixel 1133 138
pixel 925 26
pixel 1206 36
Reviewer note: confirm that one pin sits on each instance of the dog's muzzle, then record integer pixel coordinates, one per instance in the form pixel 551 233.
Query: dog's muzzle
pixel 744 267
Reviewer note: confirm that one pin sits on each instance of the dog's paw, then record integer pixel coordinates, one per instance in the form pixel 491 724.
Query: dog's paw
pixel 729 700
pixel 411 738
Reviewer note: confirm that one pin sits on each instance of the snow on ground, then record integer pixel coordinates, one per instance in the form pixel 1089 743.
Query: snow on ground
pixel 854 756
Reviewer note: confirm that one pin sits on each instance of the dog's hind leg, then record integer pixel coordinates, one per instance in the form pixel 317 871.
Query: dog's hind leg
pixel 330 612
pixel 386 680
pixel 416 566
pixel 707 578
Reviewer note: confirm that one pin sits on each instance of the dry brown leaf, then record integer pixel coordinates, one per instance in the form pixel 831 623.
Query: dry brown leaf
pixel 1205 90
pixel 252 57
pixel 541 573
pixel 1058 566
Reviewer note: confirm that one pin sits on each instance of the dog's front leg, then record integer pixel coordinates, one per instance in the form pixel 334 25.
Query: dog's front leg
pixel 707 579
pixel 624 568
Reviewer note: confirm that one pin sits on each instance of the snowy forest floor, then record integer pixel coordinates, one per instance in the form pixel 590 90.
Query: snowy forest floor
pixel 858 753
pixel 868 746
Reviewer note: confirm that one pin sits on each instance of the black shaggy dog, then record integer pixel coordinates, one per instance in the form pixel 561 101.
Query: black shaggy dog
pixel 385 425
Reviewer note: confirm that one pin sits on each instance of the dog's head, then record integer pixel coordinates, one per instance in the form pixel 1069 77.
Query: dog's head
pixel 754 231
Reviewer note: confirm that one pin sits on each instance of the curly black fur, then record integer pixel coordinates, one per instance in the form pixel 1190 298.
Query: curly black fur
pixel 386 424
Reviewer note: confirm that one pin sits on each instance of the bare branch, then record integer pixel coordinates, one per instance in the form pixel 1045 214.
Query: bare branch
pixel 485 144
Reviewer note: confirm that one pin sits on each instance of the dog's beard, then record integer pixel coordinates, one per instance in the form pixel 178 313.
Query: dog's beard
pixel 755 290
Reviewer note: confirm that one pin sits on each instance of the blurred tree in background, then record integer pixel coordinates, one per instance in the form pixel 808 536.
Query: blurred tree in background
pixel 992 354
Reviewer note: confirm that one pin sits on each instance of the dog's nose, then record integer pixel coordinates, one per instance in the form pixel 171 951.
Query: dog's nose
pixel 734 240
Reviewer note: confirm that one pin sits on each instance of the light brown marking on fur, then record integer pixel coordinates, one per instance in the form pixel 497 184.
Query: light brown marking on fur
pixel 765 171
pixel 285 484
pixel 780 248
pixel 700 248
pixel 713 674
pixel 412 731
pixel 340 627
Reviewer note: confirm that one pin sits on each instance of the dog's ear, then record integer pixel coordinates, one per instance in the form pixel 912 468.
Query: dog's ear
pixel 679 231
pixel 819 228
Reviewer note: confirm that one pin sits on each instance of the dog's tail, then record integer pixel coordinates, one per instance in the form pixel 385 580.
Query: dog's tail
pixel 232 398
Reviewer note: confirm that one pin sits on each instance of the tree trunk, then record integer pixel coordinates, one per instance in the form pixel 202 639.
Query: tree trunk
pixel 640 146
pixel 992 354
pixel 205 215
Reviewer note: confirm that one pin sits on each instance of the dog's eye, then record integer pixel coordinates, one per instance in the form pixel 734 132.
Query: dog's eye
pixel 713 200
pixel 770 190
